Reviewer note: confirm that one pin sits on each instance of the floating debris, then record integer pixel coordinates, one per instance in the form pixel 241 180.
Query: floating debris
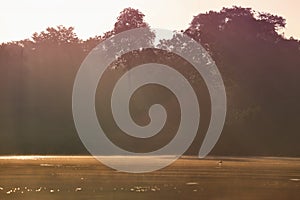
pixel 220 162
pixel 46 165
pixel 192 183
pixel 1 188
pixel 51 191
pixel 144 189
pixel 78 189
pixel 295 179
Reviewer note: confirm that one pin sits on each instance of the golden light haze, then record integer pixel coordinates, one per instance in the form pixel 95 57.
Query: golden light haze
pixel 20 19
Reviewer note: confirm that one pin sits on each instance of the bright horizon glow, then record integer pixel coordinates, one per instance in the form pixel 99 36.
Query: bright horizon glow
pixel 20 19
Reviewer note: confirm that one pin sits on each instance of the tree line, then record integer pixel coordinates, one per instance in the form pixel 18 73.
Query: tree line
pixel 259 65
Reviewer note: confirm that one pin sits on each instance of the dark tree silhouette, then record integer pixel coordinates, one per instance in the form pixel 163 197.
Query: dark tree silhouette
pixel 261 72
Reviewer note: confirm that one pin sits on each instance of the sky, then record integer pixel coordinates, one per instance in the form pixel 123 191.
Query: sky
pixel 20 19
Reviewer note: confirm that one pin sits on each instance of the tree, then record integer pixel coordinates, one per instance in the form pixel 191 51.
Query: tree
pixel 258 65
pixel 56 36
pixel 128 19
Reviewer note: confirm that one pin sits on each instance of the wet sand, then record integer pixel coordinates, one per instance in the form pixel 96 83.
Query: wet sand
pixel 83 177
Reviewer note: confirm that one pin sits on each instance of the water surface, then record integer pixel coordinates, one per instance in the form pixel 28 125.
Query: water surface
pixel 83 177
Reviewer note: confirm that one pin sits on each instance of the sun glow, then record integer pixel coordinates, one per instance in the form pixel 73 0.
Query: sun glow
pixel 20 19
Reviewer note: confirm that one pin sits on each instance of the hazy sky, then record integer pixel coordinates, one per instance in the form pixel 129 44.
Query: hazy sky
pixel 20 19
